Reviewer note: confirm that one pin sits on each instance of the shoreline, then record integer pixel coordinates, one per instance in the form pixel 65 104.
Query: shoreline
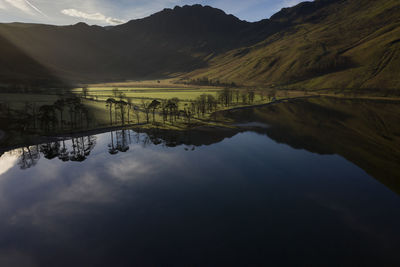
pixel 212 125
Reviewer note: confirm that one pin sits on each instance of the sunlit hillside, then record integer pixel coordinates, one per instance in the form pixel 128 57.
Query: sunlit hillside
pixel 342 44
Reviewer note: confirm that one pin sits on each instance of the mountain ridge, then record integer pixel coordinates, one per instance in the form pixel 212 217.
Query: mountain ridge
pixel 323 43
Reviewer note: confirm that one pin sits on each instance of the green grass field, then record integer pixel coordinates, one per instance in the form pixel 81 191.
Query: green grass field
pixel 94 102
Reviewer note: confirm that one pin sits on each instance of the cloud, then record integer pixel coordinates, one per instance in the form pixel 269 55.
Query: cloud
pixel 35 8
pixel 93 16
pixel 23 5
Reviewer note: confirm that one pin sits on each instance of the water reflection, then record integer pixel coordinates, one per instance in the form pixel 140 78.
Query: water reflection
pixel 365 132
pixel 75 149
pixel 78 149
pixel 244 197
pixel 281 191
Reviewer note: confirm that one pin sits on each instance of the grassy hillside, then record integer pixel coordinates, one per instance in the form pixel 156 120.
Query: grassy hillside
pixel 330 44
pixel 325 44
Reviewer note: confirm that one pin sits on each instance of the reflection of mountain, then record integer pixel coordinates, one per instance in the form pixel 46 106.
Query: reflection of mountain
pixel 366 133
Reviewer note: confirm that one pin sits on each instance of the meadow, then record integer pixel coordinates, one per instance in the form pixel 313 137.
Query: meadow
pixel 149 104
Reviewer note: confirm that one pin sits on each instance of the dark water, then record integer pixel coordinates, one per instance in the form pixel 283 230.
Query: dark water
pixel 241 199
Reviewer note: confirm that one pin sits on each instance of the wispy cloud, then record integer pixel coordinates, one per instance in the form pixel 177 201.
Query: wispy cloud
pixel 35 8
pixel 25 6
pixel 91 16
pixel 21 5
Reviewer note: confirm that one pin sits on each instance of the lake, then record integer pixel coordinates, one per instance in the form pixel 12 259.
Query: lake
pixel 300 183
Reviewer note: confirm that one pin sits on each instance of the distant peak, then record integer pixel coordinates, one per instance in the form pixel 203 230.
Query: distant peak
pixel 191 8
pixel 81 24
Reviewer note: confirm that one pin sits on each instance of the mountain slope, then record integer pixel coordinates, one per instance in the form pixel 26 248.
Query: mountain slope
pixel 330 44
pixel 16 67
pixel 314 45
pixel 172 41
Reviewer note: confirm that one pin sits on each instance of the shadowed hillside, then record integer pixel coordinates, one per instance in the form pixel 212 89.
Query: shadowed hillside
pixel 171 41
pixel 18 68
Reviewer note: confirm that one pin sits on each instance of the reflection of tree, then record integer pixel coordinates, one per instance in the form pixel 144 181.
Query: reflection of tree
pixel 78 149
pixel 29 157
pixel 64 154
pixel 122 141
pixel 50 150
pixel 81 148
pixel 111 148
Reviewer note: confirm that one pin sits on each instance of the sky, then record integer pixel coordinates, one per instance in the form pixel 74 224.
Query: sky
pixel 112 12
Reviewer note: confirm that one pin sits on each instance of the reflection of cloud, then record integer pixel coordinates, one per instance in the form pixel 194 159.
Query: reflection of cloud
pixel 93 16
pixel 147 164
pixel 87 189
pixel 7 161
pixel 55 188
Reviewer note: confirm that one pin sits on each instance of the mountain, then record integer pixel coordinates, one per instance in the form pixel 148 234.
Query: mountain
pixel 17 67
pixel 172 41
pixel 320 44
pixel 326 44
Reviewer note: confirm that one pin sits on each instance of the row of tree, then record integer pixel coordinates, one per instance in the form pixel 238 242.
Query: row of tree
pixel 65 113
pixel 120 110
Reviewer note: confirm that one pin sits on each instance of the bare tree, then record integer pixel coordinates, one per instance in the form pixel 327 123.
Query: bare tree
pixel 129 101
pixel 146 108
pixel 153 106
pixel 109 103
pixel 136 110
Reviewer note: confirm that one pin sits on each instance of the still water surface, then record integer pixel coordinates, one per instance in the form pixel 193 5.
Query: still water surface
pixel 118 199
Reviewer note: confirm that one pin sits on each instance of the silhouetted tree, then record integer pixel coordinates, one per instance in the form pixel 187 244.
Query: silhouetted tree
pixel 153 106
pixel 146 108
pixel 47 117
pixel 129 103
pixel 109 103
pixel 136 110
